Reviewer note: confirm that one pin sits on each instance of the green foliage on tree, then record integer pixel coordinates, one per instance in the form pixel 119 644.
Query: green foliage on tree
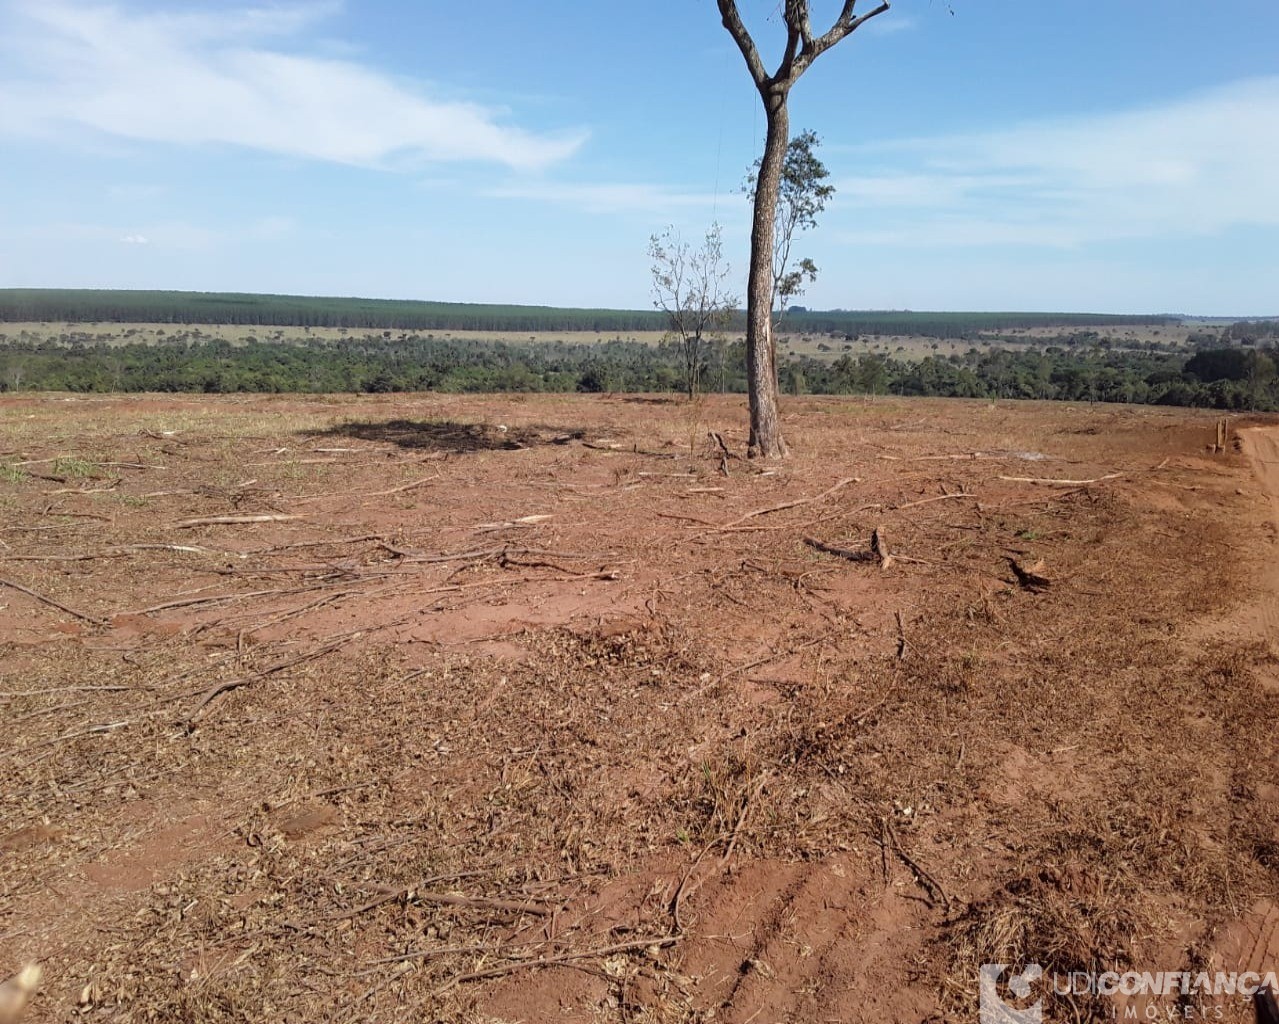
pixel 1073 367
pixel 803 194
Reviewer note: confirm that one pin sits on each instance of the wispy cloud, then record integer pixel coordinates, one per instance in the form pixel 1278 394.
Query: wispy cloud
pixel 169 235
pixel 606 198
pixel 890 23
pixel 1195 167
pixel 225 76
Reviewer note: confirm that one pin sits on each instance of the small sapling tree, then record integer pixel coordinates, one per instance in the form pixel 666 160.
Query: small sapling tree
pixel 691 287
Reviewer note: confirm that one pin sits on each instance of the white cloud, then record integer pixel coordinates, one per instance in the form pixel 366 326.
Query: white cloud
pixel 607 198
pixel 212 78
pixel 167 235
pixel 890 23
pixel 1195 167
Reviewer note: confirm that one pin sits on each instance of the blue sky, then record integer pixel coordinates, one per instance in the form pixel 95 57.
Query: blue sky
pixel 1013 154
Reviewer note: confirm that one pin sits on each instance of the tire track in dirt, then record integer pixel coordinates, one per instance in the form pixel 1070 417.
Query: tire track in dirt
pixel 1261 445
pixel 1252 942
pixel 814 941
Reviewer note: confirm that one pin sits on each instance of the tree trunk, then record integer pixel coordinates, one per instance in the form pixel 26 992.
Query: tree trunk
pixel 761 353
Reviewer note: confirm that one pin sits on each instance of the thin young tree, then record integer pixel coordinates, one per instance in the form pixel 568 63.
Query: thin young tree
pixel 802 195
pixel 691 287
pixel 802 48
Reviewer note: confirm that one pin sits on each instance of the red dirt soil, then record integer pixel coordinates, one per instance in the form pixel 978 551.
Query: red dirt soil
pixel 537 709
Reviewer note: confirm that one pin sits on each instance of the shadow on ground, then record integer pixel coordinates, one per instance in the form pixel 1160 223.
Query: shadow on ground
pixel 451 436
pixel 652 399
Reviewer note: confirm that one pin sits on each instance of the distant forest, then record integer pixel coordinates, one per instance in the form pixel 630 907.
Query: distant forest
pixel 1074 367
pixel 389 346
pixel 188 308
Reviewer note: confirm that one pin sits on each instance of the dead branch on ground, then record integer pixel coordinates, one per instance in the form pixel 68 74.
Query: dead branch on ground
pixel 879 545
pixel 235 520
pixel 831 549
pixel 929 501
pixel 84 617
pixel 563 958
pixel 1030 576
pixel 1049 482
pixel 724 453
pixel 769 510
pixel 936 894
pixel 216 691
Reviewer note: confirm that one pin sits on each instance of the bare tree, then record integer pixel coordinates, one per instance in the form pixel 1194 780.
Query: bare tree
pixel 691 287
pixel 802 48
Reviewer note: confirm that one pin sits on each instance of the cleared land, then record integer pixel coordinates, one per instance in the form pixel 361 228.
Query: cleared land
pixel 442 708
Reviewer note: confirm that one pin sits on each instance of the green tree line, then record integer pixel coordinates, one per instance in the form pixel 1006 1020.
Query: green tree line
pixel 172 307
pixel 1236 378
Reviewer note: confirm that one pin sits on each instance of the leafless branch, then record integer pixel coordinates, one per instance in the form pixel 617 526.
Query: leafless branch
pixel 845 25
pixel 733 22
pixel 50 601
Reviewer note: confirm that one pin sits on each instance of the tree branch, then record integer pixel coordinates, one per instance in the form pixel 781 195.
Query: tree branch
pixel 845 25
pixel 733 22
pixel 798 19
pixel 796 12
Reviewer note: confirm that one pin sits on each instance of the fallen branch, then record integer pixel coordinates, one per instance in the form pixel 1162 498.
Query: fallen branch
pixel 411 894
pixel 684 519
pixel 1059 483
pixel 879 545
pixel 234 684
pixel 563 958
pixel 831 549
pixel 234 520
pixel 791 504
pixel 929 501
pixel 864 714
pixel 313 544
pixel 424 954
pixel 682 889
pixel 931 886
pixel 1030 576
pixel 481 553
pixel 118 552
pixel 512 523
pixel 215 599
pixel 51 511
pixel 62 689
pixel 51 602
pixel 506 562
pixel 878 551
pixel 93 730
pixel 402 489
pixel 739 669
pixel 724 453
pixel 741 818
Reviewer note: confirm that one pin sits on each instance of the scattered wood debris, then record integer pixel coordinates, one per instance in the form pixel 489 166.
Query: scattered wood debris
pixel 1049 482
pixel 1030 576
